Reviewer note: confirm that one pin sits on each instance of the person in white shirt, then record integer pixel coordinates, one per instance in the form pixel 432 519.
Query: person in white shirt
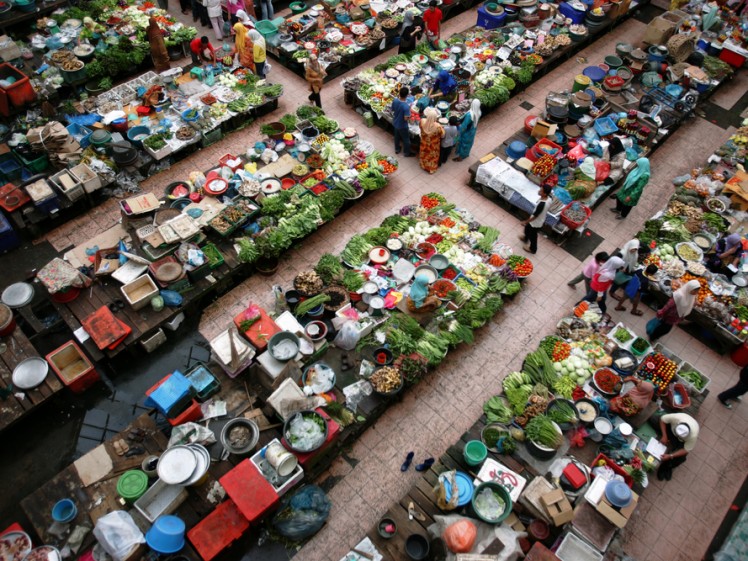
pixel 536 220
pixel 679 432
pixel 449 139
pixel 216 17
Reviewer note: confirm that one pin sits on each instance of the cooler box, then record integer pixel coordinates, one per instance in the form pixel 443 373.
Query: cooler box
pixel 17 94
pixel 72 367
pixel 218 530
pixel 254 496
pixel 732 55
pixel 575 16
pixel 488 20
pixel 43 197
pixel 8 237
pixel 171 393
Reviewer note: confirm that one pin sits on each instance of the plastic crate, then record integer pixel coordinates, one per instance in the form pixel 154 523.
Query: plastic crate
pixel 574 548
pixel 605 126
pixel 17 94
pixel 73 367
pixel 669 398
pixel 80 133
pixel 568 221
pixel 535 153
pixel 212 248
pixel 576 16
pixel 87 177
pixel 203 381
pixel 10 168
pixel 73 191
pixel 731 57
pixel 266 28
pixel 228 157
pixel 691 388
pixel 172 393
pixel 190 414
pixel 37 165
pixel 614 466
pixel 8 238
pixel 218 530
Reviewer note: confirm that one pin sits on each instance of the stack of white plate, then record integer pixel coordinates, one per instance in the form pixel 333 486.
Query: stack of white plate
pixel 183 465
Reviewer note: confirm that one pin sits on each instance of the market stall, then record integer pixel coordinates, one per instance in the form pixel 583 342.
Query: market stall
pixel 351 310
pixel 562 455
pixel 488 62
pixel 239 216
pixel 343 36
pixel 688 240
pixel 611 116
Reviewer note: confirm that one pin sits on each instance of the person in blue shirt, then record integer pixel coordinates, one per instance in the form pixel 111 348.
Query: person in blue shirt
pixel 401 114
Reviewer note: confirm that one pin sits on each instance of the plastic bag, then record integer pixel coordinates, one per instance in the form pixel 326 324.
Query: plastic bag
pixel 447 479
pixel 171 298
pixel 460 536
pixel 347 337
pixel 302 514
pixel 190 433
pixel 118 534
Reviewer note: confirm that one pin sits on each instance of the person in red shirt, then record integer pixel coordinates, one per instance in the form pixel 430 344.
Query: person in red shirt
pixel 433 20
pixel 198 47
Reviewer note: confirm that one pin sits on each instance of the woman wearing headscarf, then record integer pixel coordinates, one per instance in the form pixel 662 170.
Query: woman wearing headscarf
pixel 466 136
pixel 727 251
pixel 234 7
pixel 243 46
pixel 411 33
pixel 616 156
pixel 420 299
pixel 242 16
pixel 636 399
pixel 158 47
pixel 586 170
pixel 674 311
pixel 630 256
pixel 315 77
pixel 431 137
pixel 258 51
pixel 631 191
pixel 444 86
pixel 602 281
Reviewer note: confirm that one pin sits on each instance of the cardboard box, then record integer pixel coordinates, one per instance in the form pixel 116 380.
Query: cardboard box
pixel 542 129
pixel 617 517
pixel 558 507
pixel 491 470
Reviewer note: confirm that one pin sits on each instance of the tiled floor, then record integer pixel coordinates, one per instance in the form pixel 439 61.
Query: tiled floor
pixel 675 520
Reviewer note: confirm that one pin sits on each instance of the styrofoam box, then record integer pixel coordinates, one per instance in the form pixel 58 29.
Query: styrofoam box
pixel 288 389
pixel 573 548
pixel 159 499
pixel 491 470
pixel 365 329
pixel 72 188
pixel 87 177
pixel 139 292
pixel 295 477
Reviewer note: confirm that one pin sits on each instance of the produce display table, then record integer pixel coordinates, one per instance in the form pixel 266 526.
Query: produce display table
pixel 20 403
pixel 15 16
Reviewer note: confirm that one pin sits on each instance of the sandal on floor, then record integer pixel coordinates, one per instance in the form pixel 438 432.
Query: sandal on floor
pixel 427 463
pixel 637 312
pixel 407 462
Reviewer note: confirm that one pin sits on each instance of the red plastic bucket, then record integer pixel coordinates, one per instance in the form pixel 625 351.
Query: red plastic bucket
pixel 67 296
pixel 7 321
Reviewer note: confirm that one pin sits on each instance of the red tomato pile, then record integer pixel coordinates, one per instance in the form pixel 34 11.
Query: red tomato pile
pixel 522 268
pixel 658 369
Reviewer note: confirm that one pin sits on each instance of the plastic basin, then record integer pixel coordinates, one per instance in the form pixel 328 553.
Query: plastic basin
pixel 132 485
pixel 64 511
pixel 417 547
pixel 276 345
pixel 594 73
pixel 136 135
pixel 499 490
pixel 166 535
pixel 475 452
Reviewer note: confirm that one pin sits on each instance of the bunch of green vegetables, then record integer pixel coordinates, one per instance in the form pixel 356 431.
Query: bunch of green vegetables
pixel 248 252
pixel 310 303
pixel 517 388
pixel 496 410
pixel 371 179
pixel 564 386
pixel 289 121
pixel 356 251
pixel 328 268
pixel 352 280
pixel 562 412
pixel 693 378
pixel 540 368
pixel 541 430
pixel 490 235
pixel 306 112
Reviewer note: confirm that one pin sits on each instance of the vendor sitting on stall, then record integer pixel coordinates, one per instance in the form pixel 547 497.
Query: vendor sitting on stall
pixel 636 399
pixel 679 432
pixel 727 251
pixel 420 300
pixel 202 51
pixel 445 86
pixel 586 170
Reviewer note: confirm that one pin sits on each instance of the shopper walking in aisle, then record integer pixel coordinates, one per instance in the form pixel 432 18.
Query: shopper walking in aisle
pixel 602 281
pixel 737 390
pixel 216 17
pixel 674 311
pixel 592 267
pixel 185 6
pixel 630 255
pixel 411 33
pixel 536 220
pixel 679 432
pixel 469 124
pixel 233 7
pixel 243 46
pixel 158 47
pixel 448 140
pixel 400 116
pixel 315 77
pixel 431 138
pixel 266 8
pixel 258 52
pixel 615 154
pixel 637 286
pixel 433 20
pixel 631 191
pixel 199 11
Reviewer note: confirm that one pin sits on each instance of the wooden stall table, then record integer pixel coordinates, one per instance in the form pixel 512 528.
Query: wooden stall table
pixel 13 408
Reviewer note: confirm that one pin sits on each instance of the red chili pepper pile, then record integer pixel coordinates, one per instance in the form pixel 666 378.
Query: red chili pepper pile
pixel 442 288
pixel 449 274
pixel 434 238
pixel 381 358
pixel 429 202
pixel 606 380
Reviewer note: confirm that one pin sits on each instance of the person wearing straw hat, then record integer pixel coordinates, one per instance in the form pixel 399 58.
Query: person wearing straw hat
pixel 679 432
pixel 635 287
